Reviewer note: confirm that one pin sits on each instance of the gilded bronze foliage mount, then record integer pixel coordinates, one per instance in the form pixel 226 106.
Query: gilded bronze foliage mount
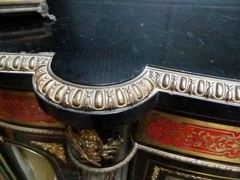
pixel 91 148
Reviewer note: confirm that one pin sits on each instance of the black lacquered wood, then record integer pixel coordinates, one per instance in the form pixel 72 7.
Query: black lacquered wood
pixel 108 42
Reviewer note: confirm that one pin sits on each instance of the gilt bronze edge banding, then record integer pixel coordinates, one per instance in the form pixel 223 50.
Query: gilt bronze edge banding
pixel 118 96
pixel 157 170
pixel 103 170
pixel 189 160
pixel 144 86
pixel 30 130
pixel 22 62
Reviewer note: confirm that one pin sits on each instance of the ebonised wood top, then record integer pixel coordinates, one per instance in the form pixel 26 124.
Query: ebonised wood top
pixel 109 42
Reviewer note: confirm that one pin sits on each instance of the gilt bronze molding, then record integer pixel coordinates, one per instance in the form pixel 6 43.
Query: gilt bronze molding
pixel 30 130
pixel 199 162
pixel 22 62
pixel 105 169
pixel 137 90
pixel 89 98
pixel 100 98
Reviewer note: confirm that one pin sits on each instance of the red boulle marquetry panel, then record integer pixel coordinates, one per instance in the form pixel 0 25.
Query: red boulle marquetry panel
pixel 23 108
pixel 195 138
pixel 191 136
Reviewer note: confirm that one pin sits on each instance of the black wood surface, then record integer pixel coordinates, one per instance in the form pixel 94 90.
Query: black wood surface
pixel 108 42
pixel 142 168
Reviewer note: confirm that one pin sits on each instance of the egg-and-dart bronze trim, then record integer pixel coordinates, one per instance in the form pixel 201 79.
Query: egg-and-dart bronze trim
pixel 22 62
pixel 100 98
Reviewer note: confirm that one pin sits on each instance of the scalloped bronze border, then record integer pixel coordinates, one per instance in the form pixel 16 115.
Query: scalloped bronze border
pixel 100 98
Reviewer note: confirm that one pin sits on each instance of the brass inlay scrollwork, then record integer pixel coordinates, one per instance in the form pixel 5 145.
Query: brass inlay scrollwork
pixel 191 136
pixel 91 148
pixel 54 148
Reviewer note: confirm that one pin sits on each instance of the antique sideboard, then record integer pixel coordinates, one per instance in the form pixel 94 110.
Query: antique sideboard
pixel 115 90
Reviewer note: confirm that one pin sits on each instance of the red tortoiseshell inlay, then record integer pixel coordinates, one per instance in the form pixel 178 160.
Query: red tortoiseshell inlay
pixel 193 137
pixel 23 108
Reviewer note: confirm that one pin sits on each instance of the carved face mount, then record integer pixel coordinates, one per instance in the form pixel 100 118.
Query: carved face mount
pixel 90 146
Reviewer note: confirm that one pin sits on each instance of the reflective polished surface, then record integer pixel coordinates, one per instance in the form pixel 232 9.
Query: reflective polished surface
pixel 108 42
